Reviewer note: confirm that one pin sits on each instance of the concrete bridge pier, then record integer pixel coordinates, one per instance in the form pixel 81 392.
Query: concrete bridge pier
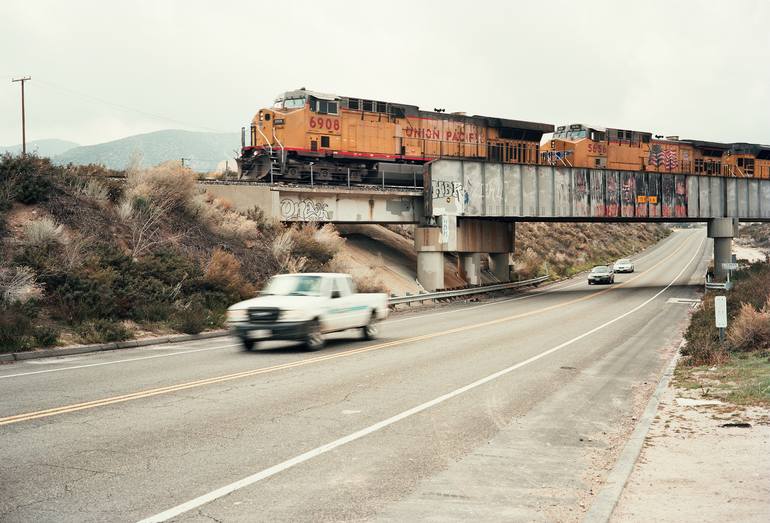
pixel 430 270
pixel 470 263
pixel 722 230
pixel 469 237
pixel 500 265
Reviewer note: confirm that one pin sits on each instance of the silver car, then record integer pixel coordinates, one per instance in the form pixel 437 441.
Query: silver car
pixel 623 265
pixel 601 274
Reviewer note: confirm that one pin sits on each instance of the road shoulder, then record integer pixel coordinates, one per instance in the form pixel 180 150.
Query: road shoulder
pixel 699 463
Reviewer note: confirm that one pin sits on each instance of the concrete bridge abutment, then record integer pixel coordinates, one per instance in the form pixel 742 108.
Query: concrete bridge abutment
pixel 722 231
pixel 468 237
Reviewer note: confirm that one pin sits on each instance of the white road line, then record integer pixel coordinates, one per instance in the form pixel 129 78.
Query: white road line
pixel 280 467
pixel 86 365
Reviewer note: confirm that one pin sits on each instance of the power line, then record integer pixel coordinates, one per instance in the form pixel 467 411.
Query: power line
pixel 125 107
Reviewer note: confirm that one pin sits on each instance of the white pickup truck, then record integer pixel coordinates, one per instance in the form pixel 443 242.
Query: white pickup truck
pixel 304 307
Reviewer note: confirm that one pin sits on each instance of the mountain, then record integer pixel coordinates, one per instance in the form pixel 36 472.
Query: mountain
pixel 202 151
pixel 48 148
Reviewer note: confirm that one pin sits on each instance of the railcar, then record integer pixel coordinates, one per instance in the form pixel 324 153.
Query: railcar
pixel 321 137
pixel 579 145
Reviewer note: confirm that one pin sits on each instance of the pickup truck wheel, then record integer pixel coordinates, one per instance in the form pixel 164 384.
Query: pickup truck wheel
pixel 248 344
pixel 315 339
pixel 369 331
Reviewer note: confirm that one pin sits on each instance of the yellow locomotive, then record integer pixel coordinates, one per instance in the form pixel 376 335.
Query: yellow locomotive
pixel 311 135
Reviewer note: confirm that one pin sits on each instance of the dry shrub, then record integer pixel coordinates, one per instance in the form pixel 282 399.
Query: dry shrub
pixel 166 184
pixel 42 232
pixel 95 190
pixel 217 215
pixel 368 281
pixel 750 329
pixel 317 245
pixel 527 264
pixel 281 248
pixel 224 270
pixel 18 285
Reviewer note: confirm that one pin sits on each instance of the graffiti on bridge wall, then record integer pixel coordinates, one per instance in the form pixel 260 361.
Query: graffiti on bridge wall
pixel 305 209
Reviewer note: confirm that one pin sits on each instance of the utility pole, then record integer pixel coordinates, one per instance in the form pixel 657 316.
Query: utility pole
pixel 23 119
pixel 183 160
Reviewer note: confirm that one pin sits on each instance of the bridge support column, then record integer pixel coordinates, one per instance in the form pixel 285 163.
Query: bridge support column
pixel 722 230
pixel 470 263
pixel 500 265
pixel 430 270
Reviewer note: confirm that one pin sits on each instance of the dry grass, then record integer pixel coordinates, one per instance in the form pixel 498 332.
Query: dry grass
pixel 95 190
pixel 167 182
pixel 43 231
pixel 18 285
pixel 750 329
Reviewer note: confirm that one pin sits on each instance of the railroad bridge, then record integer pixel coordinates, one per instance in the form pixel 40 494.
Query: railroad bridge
pixel 469 207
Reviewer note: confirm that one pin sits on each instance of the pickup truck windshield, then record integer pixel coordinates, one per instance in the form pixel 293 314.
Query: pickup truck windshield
pixel 294 286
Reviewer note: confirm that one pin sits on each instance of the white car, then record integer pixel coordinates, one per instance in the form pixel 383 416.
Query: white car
pixel 623 265
pixel 304 307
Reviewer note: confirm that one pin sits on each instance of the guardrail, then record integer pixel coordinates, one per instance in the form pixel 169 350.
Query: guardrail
pixel 426 296
pixel 716 286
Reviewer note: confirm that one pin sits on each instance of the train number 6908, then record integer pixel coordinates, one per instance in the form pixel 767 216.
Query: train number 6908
pixel 321 123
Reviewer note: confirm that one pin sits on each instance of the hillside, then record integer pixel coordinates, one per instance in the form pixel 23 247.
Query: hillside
pixel 204 150
pixel 47 148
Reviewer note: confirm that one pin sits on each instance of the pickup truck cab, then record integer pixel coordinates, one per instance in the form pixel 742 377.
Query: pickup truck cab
pixel 304 307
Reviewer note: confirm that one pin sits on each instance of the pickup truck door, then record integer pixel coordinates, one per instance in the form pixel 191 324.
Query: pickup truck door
pixel 344 312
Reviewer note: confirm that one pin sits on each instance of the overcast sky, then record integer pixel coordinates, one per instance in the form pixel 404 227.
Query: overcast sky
pixel 103 70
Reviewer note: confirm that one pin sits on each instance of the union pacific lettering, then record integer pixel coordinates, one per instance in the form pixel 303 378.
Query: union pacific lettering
pixel 437 134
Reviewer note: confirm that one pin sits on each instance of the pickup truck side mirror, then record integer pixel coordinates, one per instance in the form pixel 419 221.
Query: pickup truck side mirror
pixel 336 294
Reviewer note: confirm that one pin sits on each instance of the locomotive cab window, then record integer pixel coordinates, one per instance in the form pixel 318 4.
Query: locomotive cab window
pixel 325 107
pixel 294 103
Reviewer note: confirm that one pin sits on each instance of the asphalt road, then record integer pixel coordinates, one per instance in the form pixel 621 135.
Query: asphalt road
pixel 509 409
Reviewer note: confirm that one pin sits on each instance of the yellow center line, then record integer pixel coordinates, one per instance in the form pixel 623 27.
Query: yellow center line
pixel 265 370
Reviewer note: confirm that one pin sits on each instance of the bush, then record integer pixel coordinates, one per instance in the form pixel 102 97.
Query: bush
pixel 102 331
pixel 17 326
pixel 750 329
pixel 46 336
pixel 17 285
pixel 167 182
pixel 26 179
pixel 191 317
pixel 43 231
pixel 224 271
pixel 317 245
pixel 82 295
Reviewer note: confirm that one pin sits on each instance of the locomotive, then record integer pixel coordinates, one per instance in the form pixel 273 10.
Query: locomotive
pixel 322 137
pixel 307 135
pixel 579 145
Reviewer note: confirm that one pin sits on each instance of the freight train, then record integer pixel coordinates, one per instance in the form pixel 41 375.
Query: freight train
pixel 311 136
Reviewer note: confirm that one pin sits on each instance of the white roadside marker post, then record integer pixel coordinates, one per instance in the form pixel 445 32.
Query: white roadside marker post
pixel 720 315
